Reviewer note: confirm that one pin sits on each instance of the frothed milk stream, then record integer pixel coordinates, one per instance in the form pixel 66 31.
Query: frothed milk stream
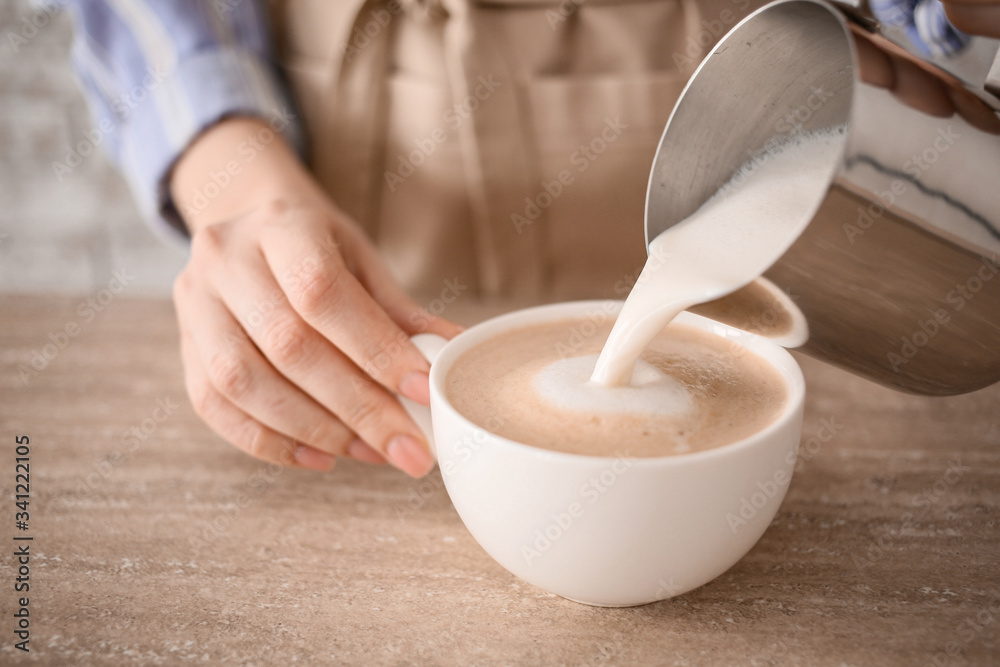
pixel 728 242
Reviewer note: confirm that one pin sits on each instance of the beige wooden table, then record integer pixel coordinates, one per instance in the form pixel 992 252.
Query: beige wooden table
pixel 170 546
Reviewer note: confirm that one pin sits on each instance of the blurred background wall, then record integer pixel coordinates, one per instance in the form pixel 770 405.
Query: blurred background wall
pixel 69 235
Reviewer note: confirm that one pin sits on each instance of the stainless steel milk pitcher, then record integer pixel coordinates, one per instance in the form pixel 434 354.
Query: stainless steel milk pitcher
pixel 898 273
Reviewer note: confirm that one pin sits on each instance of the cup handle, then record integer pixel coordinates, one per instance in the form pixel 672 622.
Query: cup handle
pixel 430 345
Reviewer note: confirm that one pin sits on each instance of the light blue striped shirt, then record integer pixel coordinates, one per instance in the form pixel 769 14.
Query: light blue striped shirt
pixel 156 73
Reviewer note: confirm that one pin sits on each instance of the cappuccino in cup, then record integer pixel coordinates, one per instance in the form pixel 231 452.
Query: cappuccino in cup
pixel 690 391
pixel 512 403
pixel 532 423
pixel 647 387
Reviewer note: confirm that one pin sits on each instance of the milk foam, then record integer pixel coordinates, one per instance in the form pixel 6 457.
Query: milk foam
pixel 521 385
pixel 733 238
pixel 566 385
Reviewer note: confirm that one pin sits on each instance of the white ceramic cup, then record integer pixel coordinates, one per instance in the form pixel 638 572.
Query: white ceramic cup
pixel 610 531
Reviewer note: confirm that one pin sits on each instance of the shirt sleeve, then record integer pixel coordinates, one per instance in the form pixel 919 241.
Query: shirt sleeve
pixel 925 24
pixel 156 73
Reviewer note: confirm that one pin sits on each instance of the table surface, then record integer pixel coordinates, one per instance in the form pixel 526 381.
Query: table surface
pixel 178 547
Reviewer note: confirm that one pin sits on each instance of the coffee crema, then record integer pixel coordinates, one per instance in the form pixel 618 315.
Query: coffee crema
pixel 690 391
pixel 751 308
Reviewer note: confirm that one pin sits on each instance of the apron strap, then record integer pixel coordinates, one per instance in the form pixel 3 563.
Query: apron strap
pixel 494 140
pixel 355 127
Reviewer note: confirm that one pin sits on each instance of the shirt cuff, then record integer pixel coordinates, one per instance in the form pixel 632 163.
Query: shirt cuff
pixel 202 90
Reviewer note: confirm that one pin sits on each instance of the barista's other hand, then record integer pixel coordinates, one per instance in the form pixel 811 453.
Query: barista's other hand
pixel 918 85
pixel 976 17
pixel 293 335
pixel 925 24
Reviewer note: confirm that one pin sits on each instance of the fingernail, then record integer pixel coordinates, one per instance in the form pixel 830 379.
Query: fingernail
pixel 360 450
pixel 307 457
pixel 416 386
pixel 410 456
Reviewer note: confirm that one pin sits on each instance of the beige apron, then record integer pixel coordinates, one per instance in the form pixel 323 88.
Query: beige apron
pixel 503 145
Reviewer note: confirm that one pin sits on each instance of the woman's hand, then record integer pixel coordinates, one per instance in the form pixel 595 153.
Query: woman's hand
pixel 976 17
pixel 293 335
